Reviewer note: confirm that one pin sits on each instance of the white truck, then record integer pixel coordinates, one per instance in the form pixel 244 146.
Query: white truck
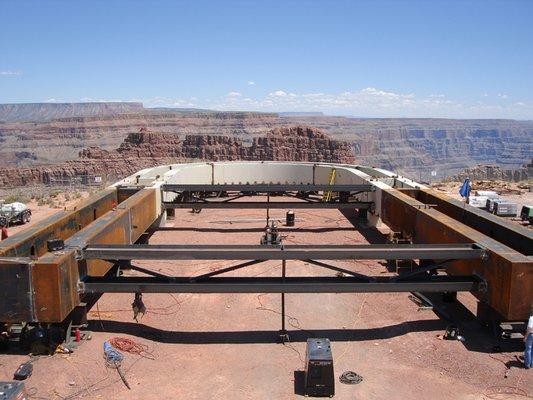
pixel 14 213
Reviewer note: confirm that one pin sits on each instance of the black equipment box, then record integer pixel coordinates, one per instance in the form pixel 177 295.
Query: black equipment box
pixel 13 391
pixel 319 375
pixel 55 245
pixel 24 371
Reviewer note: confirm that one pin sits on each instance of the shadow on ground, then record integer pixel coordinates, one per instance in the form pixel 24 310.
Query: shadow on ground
pixel 478 338
pixel 264 336
pixel 370 233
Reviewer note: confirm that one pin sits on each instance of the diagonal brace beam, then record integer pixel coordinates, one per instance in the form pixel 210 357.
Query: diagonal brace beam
pixel 421 271
pixel 223 270
pixel 362 277
pixel 147 271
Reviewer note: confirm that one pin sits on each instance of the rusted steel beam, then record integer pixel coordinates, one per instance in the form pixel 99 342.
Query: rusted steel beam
pixel 509 274
pixel 506 232
pixel 121 226
pixel 16 301
pixel 54 282
pixel 54 276
pixel 125 192
pixel 61 225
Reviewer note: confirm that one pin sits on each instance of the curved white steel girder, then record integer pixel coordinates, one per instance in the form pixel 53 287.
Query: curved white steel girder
pixel 273 172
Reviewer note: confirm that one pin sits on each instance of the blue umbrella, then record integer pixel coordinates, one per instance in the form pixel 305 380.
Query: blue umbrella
pixel 465 189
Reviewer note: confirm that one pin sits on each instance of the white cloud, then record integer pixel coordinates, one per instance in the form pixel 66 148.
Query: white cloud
pixel 366 102
pixel 166 102
pixel 251 83
pixel 375 102
pixel 8 72
pixel 94 100
pixel 503 96
pixel 278 93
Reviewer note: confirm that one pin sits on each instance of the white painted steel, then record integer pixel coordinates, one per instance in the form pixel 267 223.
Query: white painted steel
pixel 273 172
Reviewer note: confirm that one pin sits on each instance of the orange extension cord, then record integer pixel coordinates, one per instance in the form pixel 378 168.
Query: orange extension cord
pixel 130 346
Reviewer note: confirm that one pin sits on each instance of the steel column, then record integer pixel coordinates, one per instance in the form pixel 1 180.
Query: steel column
pixel 283 282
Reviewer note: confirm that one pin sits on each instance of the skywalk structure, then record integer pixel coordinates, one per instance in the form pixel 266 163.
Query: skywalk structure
pixel 54 271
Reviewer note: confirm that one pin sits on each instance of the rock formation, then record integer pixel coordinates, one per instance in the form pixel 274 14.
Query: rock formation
pixel 62 139
pixel 280 144
pixel 495 173
pixel 146 149
pixel 413 147
pixel 39 112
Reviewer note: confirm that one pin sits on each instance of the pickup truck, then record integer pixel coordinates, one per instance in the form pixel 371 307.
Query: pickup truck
pixel 14 213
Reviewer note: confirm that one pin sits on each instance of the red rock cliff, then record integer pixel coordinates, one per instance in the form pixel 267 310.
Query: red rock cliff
pixel 145 149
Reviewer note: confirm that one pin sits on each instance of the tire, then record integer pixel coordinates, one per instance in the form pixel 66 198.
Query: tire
pixel 25 218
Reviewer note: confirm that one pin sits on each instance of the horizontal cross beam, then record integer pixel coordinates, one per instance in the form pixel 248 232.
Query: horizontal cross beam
pixel 440 283
pixel 289 252
pixel 264 204
pixel 266 188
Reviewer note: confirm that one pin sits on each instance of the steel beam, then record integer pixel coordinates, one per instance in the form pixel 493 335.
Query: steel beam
pixel 55 275
pixel 261 187
pixel 291 252
pixel 278 285
pixel 500 229
pixel 264 204
pixel 362 277
pixel 509 273
pixel 223 270
pixel 61 225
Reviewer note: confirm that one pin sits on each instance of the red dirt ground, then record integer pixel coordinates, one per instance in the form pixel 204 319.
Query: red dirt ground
pixel 223 346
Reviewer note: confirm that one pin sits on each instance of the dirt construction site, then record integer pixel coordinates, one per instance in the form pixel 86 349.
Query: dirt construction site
pixel 201 346
pixel 228 345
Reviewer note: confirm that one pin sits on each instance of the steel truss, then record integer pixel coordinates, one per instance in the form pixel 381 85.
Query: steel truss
pixel 348 281
pixel 196 196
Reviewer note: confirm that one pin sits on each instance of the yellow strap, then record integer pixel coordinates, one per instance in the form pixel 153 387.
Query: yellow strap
pixel 328 194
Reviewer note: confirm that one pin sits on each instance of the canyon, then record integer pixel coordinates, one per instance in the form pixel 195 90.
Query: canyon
pixel 47 111
pixel 496 173
pixel 424 149
pixel 147 149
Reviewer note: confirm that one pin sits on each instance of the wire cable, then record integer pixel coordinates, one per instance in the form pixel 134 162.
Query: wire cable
pixel 132 347
pixel 350 378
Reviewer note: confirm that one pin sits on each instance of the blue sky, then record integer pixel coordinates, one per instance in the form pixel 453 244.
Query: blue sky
pixel 464 59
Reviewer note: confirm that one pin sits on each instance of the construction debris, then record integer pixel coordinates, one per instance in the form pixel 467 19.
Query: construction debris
pixel 114 359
